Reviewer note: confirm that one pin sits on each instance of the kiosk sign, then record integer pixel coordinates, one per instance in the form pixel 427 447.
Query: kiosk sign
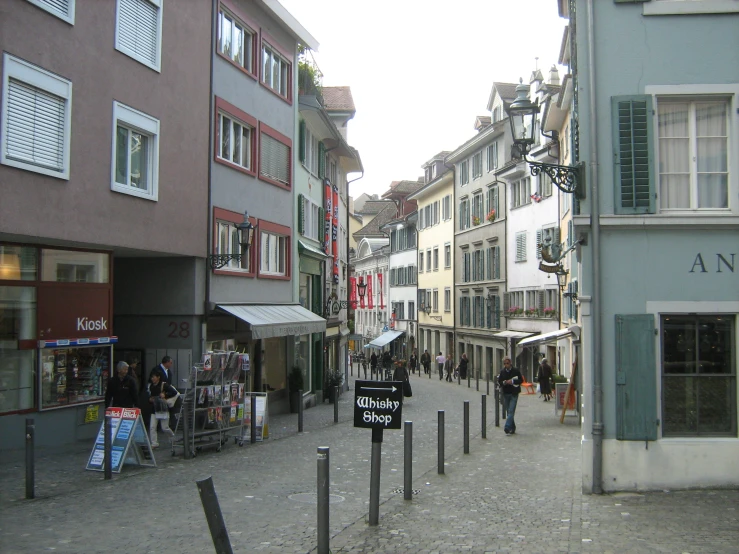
pixel 378 404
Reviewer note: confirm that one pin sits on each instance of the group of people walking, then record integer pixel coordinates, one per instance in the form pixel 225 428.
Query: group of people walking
pixel 443 364
pixel 156 399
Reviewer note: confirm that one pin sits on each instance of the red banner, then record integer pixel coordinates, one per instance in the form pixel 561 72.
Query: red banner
pixel 335 234
pixel 328 216
pixel 392 321
pixel 379 284
pixel 353 292
pixel 370 300
pixel 361 298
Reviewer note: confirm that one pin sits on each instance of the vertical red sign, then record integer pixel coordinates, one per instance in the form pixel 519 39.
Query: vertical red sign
pixel 370 300
pixel 328 216
pixel 353 292
pixel 335 234
pixel 379 284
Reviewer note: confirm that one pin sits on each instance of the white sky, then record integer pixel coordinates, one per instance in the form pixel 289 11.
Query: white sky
pixel 420 71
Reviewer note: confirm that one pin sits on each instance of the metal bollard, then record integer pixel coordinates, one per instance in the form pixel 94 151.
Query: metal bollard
pixel 469 376
pixel 336 404
pixel 30 459
pixel 186 430
pixel 375 463
pixel 408 461
pixel 466 426
pixel 213 516
pixel 440 454
pixel 459 378
pixel 253 423
pixel 497 405
pixel 503 413
pixel 300 412
pixel 107 447
pixel 487 382
pixel 484 416
pixel 477 380
pixel 323 499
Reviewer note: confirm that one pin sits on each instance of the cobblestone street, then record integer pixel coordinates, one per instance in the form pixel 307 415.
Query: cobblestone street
pixel 516 493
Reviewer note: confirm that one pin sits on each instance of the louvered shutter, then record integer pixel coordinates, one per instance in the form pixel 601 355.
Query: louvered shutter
pixel 540 301
pixel 320 224
pixel 496 312
pixel 274 160
pixel 58 7
pixel 496 262
pixel 506 301
pixel 321 161
pixel 392 277
pixel 538 244
pixel 570 232
pixel 137 33
pixel 301 139
pixel 633 154
pixel 35 126
pixel 301 214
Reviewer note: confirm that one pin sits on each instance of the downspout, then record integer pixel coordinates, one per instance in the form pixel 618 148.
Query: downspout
pixel 597 366
pixel 454 250
pixel 209 219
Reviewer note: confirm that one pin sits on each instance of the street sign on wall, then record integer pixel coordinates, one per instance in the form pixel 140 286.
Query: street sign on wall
pixel 378 404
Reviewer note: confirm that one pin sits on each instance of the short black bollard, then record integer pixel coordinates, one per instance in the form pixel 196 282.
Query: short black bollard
pixel 253 419
pixel 322 500
pixel 497 405
pixel 30 459
pixel 408 461
pixel 487 383
pixel 107 447
pixel 336 404
pixel 484 416
pixel 477 379
pixel 440 453
pixel 469 376
pixel 213 516
pixel 300 412
pixel 466 426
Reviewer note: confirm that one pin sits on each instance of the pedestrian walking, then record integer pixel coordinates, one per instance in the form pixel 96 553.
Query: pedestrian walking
pixel 449 371
pixel 545 379
pixel 426 362
pixel 373 363
pixel 121 390
pixel 413 362
pixel 159 392
pixel 165 368
pixel 463 362
pixel 441 360
pixel 510 380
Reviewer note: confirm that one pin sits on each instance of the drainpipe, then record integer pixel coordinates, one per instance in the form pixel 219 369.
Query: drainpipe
pixel 597 365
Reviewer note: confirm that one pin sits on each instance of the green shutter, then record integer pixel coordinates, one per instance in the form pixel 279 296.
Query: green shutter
pixel 496 312
pixel 301 138
pixel 301 215
pixel 496 262
pixel 495 203
pixel 633 156
pixel 321 228
pixel 321 160
pixel 636 378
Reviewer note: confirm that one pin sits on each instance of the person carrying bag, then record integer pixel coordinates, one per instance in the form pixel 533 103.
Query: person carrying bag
pixel 160 395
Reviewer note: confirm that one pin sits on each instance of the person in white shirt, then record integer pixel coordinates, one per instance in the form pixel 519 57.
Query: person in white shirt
pixel 441 360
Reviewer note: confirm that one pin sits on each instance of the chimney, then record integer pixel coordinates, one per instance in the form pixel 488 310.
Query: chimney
pixel 553 75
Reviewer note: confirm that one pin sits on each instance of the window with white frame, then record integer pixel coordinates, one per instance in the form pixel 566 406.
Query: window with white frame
pixel 492 156
pixel 497 114
pixel 521 192
pixel 477 165
pixel 229 243
pixel 693 153
pixel 492 208
pixel 236 141
pixel 531 297
pixel 411 309
pixel 273 254
pixel 428 259
pixel 333 174
pixel 521 246
pixel 464 172
pixel 478 207
pixel 36 118
pixel 435 305
pixel 236 40
pixel 436 258
pixel 477 265
pixel 420 262
pixel 311 152
pixel 551 299
pixel 138 31
pixel 446 207
pixel 312 223
pixel 464 214
pixel 428 298
pixel 275 71
pixel 447 299
pixel 63 9
pixel 447 255
pixel 274 159
pixel 436 212
pixel 545 185
pixel 135 160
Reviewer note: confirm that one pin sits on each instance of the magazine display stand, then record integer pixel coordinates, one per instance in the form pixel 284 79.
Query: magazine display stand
pixel 213 403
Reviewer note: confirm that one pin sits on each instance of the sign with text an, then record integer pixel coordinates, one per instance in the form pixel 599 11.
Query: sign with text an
pixel 129 441
pixel 378 404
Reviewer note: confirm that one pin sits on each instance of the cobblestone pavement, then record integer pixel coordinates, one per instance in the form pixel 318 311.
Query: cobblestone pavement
pixel 516 493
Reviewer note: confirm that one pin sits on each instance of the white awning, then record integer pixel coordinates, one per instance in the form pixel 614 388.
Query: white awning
pixel 384 339
pixel 553 336
pixel 512 335
pixel 278 320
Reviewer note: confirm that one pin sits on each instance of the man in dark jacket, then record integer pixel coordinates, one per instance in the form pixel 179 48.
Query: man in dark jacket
pixel 121 390
pixel 510 380
pixel 165 368
pixel 426 361
pixel 373 364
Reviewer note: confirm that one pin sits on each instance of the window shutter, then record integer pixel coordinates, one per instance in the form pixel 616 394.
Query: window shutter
pixel 506 301
pixel 633 154
pixel 35 126
pixel 301 214
pixel 636 378
pixel 274 159
pixel 321 160
pixel 320 224
pixel 570 233
pixel 496 262
pixel 540 301
pixel 538 244
pixel 557 238
pixel 496 312
pixel 301 137
pixel 137 28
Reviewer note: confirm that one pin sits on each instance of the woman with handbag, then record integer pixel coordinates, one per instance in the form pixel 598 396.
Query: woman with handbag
pixel 162 396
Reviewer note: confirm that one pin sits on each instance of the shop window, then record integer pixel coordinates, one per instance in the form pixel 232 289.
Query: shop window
pixel 17 263
pixel 68 266
pixel 73 375
pixel 17 367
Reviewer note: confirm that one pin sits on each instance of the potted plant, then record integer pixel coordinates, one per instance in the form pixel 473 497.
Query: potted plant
pixel 531 312
pixel 475 220
pixel 295 385
pixel 549 311
pixel 491 216
pixel 335 379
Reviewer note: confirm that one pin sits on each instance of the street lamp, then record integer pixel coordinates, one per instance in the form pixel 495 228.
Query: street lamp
pixel 361 289
pixel 427 311
pixel 562 278
pixel 246 238
pixel 522 116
